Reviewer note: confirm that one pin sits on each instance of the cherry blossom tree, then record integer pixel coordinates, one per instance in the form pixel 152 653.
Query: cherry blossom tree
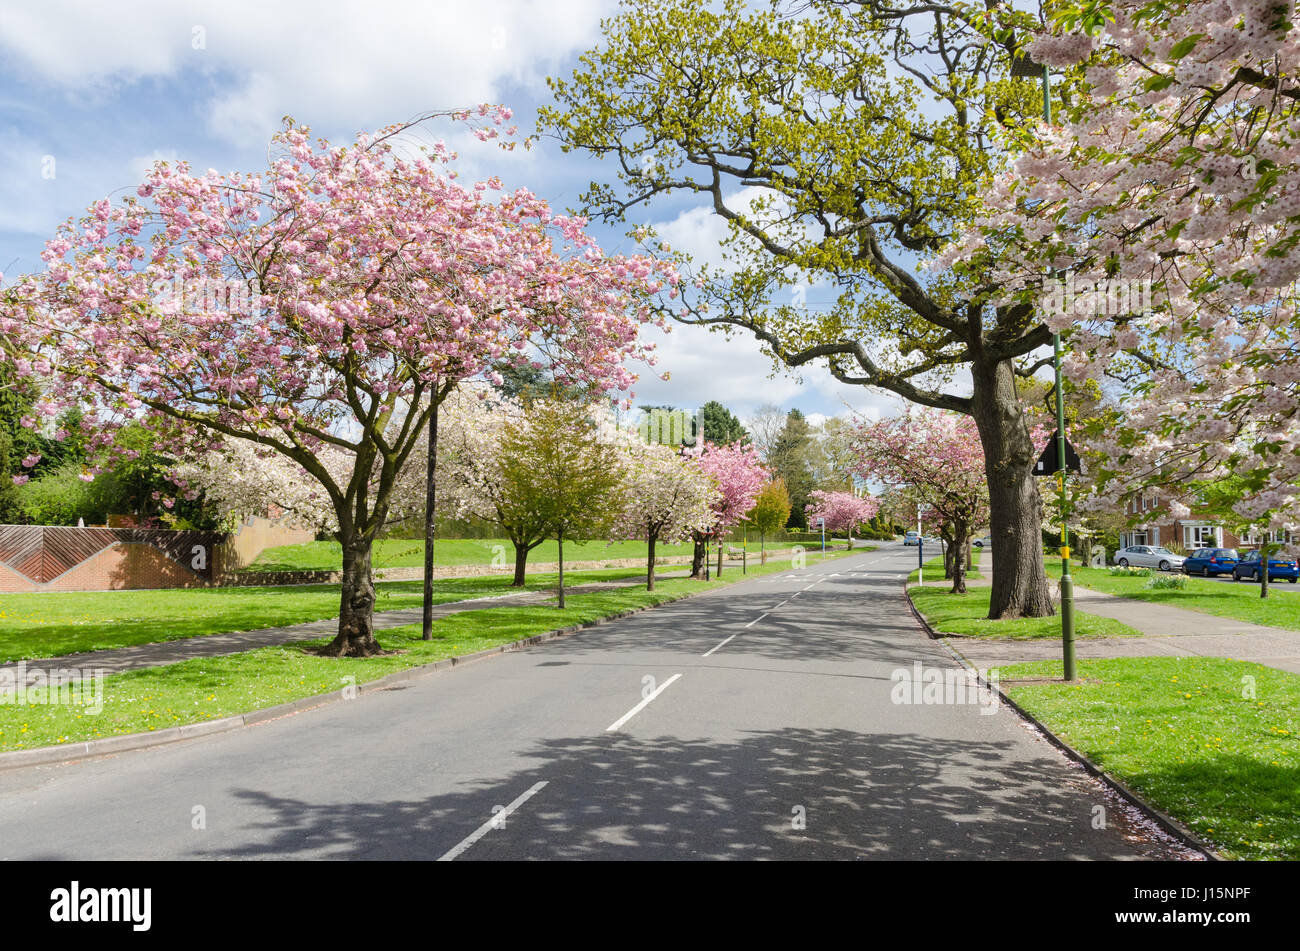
pixel 938 457
pixel 840 511
pixel 1158 227
pixel 668 497
pixel 331 302
pixel 739 476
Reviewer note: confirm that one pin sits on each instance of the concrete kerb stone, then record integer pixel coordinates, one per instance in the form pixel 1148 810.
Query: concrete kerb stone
pixel 1165 821
pixel 72 752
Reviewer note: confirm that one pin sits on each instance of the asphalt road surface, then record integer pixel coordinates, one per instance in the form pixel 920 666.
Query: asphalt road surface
pixel 755 722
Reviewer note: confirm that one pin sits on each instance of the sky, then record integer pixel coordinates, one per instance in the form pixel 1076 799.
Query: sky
pixel 92 94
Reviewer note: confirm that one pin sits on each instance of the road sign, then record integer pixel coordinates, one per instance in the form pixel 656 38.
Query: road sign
pixel 1047 464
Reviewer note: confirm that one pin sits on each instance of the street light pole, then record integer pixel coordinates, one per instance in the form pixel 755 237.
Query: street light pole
pixel 1067 583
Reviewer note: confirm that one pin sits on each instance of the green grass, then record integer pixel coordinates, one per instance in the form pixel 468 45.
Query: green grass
pixel 210 688
pixel 967 615
pixel 1238 601
pixel 1186 734
pixel 934 571
pixel 50 624
pixel 400 553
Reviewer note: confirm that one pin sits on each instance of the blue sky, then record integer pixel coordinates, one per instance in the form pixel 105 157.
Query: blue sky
pixel 92 94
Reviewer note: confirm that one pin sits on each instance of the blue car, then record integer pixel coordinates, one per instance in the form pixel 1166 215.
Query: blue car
pixel 1278 568
pixel 1210 562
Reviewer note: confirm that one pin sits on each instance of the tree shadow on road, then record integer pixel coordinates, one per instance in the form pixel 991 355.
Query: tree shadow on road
pixel 857 796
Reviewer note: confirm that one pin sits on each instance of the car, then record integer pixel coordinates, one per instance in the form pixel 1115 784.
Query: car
pixel 1211 562
pixel 1148 556
pixel 985 542
pixel 911 538
pixel 1278 568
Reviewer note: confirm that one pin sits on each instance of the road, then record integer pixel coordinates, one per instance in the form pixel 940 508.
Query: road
pixel 752 722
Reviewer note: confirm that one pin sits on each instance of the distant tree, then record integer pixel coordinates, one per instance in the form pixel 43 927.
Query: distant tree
pixel 666 498
pixel 840 511
pixel 721 426
pixel 770 512
pixel 738 475
pixel 764 427
pixel 554 465
pixel 790 458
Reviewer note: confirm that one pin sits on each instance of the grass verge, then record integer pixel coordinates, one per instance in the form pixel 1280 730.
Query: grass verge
pixel 967 615
pixel 1214 743
pixel 1222 599
pixel 451 552
pixel 211 688
pixel 53 624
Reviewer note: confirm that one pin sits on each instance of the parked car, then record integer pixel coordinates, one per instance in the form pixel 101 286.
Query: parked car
pixel 1210 562
pixel 1148 556
pixel 911 538
pixel 985 542
pixel 1278 568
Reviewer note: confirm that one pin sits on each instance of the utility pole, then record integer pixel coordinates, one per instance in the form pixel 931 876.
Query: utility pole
pixel 1023 66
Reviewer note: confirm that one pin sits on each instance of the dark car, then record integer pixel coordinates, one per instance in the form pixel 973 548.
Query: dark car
pixel 1278 568
pixel 1209 562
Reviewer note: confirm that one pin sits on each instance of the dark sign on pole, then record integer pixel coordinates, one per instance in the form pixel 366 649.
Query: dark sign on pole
pixel 1047 464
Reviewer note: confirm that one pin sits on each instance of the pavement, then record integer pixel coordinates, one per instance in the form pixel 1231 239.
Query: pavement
pixel 756 721
pixel 1166 632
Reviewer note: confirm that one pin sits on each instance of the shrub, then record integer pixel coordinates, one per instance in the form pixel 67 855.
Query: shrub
pixel 1176 582
pixel 1118 572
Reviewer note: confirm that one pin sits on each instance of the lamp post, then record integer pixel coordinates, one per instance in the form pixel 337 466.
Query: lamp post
pixel 1026 67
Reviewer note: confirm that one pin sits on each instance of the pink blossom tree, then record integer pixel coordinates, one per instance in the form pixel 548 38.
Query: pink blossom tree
pixel 668 498
pixel 739 475
pixel 1158 228
pixel 840 511
pixel 332 301
pixel 938 457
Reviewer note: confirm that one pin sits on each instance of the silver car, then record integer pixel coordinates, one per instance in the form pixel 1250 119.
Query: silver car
pixel 1148 556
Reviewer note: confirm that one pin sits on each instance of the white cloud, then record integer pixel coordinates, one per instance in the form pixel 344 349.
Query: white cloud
pixel 343 63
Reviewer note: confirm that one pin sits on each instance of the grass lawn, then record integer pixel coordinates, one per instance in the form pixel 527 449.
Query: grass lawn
pixel 1189 735
pixel 48 624
pixel 211 688
pixel 967 615
pixel 934 570
pixel 408 553
pixel 1239 601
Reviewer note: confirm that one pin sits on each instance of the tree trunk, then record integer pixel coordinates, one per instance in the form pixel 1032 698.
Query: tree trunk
pixel 1264 553
pixel 560 539
pixel 650 563
pixel 959 546
pixel 762 548
pixel 430 510
pixel 700 553
pixel 356 637
pixel 720 546
pixel 521 564
pixel 949 556
pixel 1019 586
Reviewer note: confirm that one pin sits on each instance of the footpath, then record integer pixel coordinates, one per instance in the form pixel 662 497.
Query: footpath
pixel 1166 632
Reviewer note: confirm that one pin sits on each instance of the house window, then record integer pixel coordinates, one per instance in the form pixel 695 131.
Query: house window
pixel 1200 536
pixel 1134 538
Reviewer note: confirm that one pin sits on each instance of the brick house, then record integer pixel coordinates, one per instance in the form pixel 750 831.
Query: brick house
pixel 1154 525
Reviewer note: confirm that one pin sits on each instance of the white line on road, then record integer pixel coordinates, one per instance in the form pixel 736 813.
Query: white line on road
pixel 723 644
pixel 641 706
pixel 755 621
pixel 497 821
